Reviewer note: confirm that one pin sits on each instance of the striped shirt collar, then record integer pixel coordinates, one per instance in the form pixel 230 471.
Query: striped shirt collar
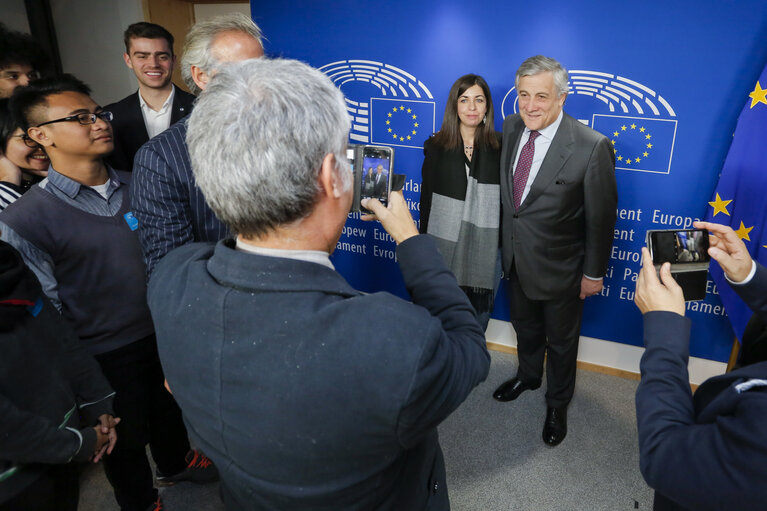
pixel 72 188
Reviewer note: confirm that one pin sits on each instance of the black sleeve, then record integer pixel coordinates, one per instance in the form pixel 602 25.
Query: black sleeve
pixel 427 184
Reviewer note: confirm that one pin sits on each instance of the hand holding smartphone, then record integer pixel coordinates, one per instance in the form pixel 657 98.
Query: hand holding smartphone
pixel 687 252
pixel 372 167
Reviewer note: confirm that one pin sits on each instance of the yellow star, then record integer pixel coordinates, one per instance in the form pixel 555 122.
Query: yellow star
pixel 414 132
pixel 628 161
pixel 401 107
pixel 393 110
pixel 415 116
pixel 615 133
pixel 389 114
pixel 637 160
pixel 633 126
pixel 401 139
pixel 415 124
pixel 620 158
pixel 648 136
pixel 649 146
pixel 743 231
pixel 720 206
pixel 409 110
pixel 615 151
pixel 641 129
pixel 613 141
pixel 758 95
pixel 389 130
pixel 645 154
pixel 408 137
pixel 395 136
pixel 623 128
pixel 388 122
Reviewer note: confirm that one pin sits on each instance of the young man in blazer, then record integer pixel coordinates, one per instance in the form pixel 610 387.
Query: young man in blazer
pixel 157 103
pixel 559 207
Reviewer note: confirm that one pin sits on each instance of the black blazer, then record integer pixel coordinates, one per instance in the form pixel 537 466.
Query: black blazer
pixel 129 130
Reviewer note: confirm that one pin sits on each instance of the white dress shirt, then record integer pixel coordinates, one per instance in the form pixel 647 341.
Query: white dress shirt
pixel 542 144
pixel 157 121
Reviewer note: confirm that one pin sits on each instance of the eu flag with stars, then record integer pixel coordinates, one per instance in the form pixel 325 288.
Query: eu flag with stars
pixel 401 122
pixel 740 198
pixel 641 144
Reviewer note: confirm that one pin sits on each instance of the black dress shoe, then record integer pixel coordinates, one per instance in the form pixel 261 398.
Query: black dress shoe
pixel 555 427
pixel 511 389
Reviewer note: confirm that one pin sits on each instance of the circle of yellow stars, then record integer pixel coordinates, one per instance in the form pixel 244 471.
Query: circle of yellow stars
pixel 648 143
pixel 402 136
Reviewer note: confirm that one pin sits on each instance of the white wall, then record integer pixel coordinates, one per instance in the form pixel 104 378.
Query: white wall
pixel 13 14
pixel 90 41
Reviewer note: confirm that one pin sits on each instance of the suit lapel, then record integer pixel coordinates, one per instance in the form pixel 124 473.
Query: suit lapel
pixel 511 146
pixel 179 109
pixel 559 151
pixel 137 119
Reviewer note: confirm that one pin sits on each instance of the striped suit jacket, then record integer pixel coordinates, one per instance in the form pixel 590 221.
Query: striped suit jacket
pixel 170 208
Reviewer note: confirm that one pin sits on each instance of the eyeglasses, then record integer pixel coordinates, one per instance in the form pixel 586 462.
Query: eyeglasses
pixel 83 119
pixel 27 141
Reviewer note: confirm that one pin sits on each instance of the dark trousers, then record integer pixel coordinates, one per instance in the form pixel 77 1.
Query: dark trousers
pixel 149 415
pixel 543 326
pixel 58 489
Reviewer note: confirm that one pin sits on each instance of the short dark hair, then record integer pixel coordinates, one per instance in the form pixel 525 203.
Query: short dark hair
pixel 19 48
pixel 449 135
pixel 26 99
pixel 146 30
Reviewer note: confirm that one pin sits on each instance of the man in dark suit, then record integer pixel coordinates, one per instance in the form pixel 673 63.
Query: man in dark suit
pixel 157 103
pixel 169 207
pixel 559 208
pixel 294 383
pixel 381 183
pixel 707 451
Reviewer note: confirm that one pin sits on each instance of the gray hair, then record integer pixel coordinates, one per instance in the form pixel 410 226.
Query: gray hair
pixel 540 64
pixel 257 138
pixel 199 39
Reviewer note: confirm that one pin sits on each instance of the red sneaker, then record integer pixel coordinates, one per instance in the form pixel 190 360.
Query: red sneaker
pixel 199 469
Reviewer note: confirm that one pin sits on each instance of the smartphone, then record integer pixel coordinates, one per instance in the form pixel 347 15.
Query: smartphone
pixel 372 167
pixel 687 251
pixel 678 247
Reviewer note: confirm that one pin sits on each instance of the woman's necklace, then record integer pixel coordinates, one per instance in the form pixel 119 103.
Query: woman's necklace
pixel 468 149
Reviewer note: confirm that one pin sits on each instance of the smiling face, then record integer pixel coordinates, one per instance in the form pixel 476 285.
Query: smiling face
pixel 151 60
pixel 472 106
pixel 539 102
pixel 31 159
pixel 70 139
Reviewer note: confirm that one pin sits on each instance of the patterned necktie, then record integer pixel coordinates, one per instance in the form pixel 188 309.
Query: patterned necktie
pixel 523 168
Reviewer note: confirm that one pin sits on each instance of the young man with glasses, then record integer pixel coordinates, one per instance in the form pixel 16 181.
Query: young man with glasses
pixel 76 231
pixel 157 103
pixel 20 60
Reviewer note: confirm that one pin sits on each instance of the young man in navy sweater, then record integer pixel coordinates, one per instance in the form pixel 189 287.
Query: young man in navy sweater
pixel 75 230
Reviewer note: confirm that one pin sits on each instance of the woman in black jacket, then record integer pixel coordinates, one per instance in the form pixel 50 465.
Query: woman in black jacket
pixel 460 191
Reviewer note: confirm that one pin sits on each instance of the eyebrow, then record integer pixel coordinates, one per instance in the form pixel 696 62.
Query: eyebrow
pixel 475 96
pixel 151 53
pixel 85 111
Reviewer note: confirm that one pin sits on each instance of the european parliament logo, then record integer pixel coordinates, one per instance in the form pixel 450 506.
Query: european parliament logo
pixel 386 104
pixel 639 122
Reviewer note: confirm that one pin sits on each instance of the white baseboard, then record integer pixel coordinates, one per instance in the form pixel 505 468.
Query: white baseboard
pixel 614 355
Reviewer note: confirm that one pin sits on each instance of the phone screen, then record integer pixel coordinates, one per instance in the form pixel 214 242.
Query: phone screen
pixel 376 173
pixel 679 247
